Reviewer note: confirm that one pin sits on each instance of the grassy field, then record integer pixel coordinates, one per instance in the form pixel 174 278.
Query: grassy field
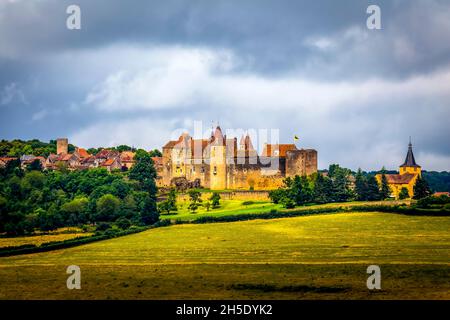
pixel 38 239
pixel 235 207
pixel 314 257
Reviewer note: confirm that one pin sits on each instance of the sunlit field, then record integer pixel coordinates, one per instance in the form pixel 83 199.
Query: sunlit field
pixel 40 238
pixel 313 257
pixel 235 207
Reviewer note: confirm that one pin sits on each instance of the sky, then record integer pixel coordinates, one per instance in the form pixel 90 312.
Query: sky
pixel 141 72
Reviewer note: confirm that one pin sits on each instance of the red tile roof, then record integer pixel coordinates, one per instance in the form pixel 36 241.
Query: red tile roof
pixel 399 179
pixel 108 162
pixel 83 153
pixel 157 160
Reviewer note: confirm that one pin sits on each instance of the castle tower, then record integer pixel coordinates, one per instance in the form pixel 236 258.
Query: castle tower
pixel 218 165
pixel 410 165
pixel 62 146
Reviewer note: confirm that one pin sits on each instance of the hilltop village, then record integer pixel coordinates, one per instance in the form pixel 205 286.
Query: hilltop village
pixel 217 163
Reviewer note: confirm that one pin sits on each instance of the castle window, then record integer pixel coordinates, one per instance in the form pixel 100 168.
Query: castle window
pixel 215 170
pixel 202 170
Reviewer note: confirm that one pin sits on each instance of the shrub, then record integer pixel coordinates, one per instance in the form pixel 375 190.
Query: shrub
pixel 123 223
pixel 103 226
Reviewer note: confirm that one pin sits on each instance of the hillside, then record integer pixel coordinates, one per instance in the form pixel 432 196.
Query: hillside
pixel 283 258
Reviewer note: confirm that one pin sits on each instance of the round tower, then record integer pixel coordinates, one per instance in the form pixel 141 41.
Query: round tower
pixel 218 166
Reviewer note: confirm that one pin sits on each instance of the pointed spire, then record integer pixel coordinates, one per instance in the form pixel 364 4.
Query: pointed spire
pixel 410 161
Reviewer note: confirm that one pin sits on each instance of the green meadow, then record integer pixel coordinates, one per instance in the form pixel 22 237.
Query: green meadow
pixel 309 257
pixel 236 207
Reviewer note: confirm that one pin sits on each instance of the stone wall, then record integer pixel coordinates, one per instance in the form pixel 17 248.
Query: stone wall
pixel 234 195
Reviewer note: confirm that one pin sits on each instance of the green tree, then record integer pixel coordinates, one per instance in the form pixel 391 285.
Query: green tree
pixel 385 190
pixel 75 211
pixel 373 191
pixel 322 189
pixel 144 173
pixel 107 207
pixel 360 186
pixel 35 165
pixel 172 199
pixel 421 188
pixel 123 223
pixel 341 183
pixel 404 194
pixel 195 200
pixel 155 153
pixel 215 200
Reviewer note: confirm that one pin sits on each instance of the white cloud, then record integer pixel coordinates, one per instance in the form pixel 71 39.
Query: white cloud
pixel 12 93
pixel 144 133
pixel 41 114
pixel 363 123
pixel 176 78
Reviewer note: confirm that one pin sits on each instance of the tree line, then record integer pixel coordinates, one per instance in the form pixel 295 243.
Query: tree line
pixel 339 186
pixel 34 199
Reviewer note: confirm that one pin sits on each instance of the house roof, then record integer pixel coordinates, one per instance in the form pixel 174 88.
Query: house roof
pixel 65 157
pixel 399 178
pixel 438 194
pixel 127 156
pixel 108 162
pixel 269 149
pixel 7 159
pixel 83 153
pixel 157 160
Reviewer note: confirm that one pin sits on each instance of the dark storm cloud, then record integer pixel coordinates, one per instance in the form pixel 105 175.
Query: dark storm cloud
pixel 68 83
pixel 269 35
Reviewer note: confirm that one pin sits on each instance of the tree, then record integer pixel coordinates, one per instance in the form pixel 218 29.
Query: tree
pixel 155 153
pixel 144 172
pixel 421 188
pixel 123 223
pixel 195 200
pixel 172 200
pixel 276 195
pixel 107 207
pixel 341 184
pixel 385 190
pixel 149 212
pixel 373 191
pixel 35 165
pixel 404 194
pixel 322 189
pixel 215 200
pixel 34 179
pixel 360 186
pixel 75 211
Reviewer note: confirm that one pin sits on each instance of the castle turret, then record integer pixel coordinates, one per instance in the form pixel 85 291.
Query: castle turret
pixel 410 165
pixel 62 146
pixel 218 164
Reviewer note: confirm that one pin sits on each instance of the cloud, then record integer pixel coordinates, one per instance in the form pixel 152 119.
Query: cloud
pixel 140 132
pixel 176 78
pixel 12 93
pixel 40 115
pixel 304 67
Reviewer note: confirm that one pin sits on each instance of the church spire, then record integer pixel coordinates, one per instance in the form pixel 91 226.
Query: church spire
pixel 410 161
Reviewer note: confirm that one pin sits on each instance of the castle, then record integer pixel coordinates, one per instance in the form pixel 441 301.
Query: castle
pixel 407 176
pixel 220 163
